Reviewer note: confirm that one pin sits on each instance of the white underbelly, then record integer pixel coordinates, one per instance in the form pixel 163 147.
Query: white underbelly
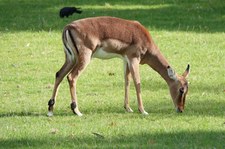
pixel 101 54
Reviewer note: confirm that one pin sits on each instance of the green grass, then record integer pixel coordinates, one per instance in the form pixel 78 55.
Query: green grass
pixel 31 52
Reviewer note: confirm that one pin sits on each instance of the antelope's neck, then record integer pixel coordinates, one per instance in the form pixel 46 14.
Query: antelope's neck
pixel 158 62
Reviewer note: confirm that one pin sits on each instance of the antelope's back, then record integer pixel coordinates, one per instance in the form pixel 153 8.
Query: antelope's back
pixel 130 32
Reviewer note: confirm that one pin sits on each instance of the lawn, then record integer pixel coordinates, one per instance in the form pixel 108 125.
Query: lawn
pixel 31 53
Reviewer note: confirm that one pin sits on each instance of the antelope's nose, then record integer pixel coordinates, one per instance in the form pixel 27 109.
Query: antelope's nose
pixel 179 110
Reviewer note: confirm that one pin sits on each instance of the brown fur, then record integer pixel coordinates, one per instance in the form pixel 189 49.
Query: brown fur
pixel 128 39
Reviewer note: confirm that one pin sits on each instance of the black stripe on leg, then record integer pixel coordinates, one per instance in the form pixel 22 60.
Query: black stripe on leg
pixel 73 106
pixel 74 44
pixel 57 74
pixel 65 44
pixel 51 102
pixel 67 49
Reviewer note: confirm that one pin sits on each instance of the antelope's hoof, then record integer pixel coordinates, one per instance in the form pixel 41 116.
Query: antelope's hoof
pixel 128 109
pixel 50 113
pixel 75 109
pixel 143 112
pixel 77 112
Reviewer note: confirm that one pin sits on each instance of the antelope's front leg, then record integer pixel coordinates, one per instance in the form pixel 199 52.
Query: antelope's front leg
pixel 127 76
pixel 134 69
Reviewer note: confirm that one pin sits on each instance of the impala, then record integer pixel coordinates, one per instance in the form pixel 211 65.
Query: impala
pixel 109 37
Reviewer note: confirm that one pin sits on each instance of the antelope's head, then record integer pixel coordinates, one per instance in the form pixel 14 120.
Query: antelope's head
pixel 178 88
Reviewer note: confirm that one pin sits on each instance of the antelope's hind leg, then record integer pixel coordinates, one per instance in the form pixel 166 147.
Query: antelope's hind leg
pixel 83 60
pixel 66 68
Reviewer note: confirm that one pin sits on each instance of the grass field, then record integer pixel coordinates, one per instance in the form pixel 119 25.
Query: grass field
pixel 31 53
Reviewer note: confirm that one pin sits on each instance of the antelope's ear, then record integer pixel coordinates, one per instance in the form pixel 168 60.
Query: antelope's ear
pixel 171 73
pixel 186 72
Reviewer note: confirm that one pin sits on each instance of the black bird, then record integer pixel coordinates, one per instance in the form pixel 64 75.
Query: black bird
pixel 67 11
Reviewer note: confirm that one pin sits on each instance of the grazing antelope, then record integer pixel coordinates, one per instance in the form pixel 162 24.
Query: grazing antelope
pixel 108 37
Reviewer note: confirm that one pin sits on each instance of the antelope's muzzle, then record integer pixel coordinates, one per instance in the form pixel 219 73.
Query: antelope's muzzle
pixel 179 110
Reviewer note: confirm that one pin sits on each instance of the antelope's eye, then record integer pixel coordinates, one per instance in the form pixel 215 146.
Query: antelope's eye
pixel 181 90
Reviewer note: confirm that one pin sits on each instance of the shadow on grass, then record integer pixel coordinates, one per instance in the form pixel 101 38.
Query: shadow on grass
pixel 21 114
pixel 196 16
pixel 196 139
pixel 213 108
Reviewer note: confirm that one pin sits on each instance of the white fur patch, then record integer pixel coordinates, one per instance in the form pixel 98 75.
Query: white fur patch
pixel 101 54
pixel 78 112
pixel 70 47
pixel 144 113
pixel 171 73
pixel 50 113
